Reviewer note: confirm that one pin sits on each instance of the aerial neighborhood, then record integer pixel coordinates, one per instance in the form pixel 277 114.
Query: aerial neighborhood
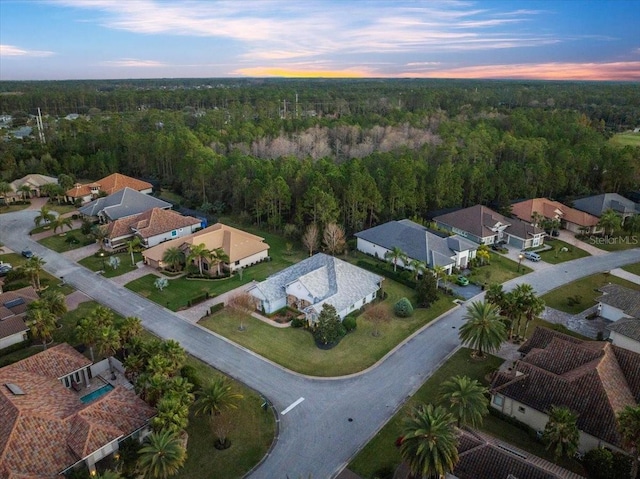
pixel 342 302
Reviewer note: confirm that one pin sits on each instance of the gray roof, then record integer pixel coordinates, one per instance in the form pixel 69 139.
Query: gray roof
pixel 328 279
pixel 596 205
pixel 629 327
pixel 415 240
pixel 120 204
pixel 625 299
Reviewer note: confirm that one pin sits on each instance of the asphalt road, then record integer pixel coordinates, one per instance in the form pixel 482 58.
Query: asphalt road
pixel 321 433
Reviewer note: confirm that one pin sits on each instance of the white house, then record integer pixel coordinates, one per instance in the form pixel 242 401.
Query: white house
pixel 626 334
pixel 13 307
pixel 618 302
pixel 418 243
pixel 320 279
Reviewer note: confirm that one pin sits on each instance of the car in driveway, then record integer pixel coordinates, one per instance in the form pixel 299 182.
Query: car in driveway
pixel 531 256
pixel 5 268
pixel 462 280
pixel 27 253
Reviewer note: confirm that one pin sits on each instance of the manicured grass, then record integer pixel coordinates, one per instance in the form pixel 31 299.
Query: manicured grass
pixel 61 209
pixel 633 268
pixel 46 280
pixel 295 349
pixel 12 208
pixel 628 138
pixel 58 242
pixel 380 454
pixel 499 270
pixel 95 263
pixel 619 240
pixel 251 433
pixel 584 291
pixel 556 256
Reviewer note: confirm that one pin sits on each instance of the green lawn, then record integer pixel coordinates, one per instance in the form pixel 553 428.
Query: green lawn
pixel 12 208
pixel 619 240
pixel 499 270
pixel 95 263
pixel 294 348
pixel 61 209
pixel 632 268
pixel 556 256
pixel 628 138
pixel 46 280
pixel 584 291
pixel 59 244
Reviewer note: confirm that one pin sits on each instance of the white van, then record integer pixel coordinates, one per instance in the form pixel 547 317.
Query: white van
pixel 530 255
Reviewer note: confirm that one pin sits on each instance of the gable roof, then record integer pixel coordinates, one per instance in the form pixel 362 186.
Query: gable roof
pixel 481 221
pixel 48 429
pixel 629 327
pixel 593 378
pixel 237 244
pixel 150 223
pixel 328 279
pixel 552 210
pixel 125 202
pixel 625 299
pixel 598 204
pixel 34 179
pixel 14 303
pixel 109 184
pixel 417 241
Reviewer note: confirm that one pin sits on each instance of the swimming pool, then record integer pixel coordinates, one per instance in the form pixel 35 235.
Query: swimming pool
pixel 96 394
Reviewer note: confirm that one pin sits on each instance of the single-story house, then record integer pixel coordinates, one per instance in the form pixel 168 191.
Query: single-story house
pixel 33 181
pixel 598 204
pixel 152 227
pixel 121 204
pixel 314 281
pixel 243 249
pixel 47 429
pixel 570 219
pixel 13 308
pixel 418 243
pixel 109 185
pixel 484 226
pixel 595 379
pixel 625 333
pixel 618 302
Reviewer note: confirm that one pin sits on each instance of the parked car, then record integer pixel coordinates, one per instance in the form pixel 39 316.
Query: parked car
pixel 27 253
pixel 5 268
pixel 462 280
pixel 530 255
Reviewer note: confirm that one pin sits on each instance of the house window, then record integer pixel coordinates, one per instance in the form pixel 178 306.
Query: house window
pixel 237 263
pixel 498 400
pixel 521 409
pixel 174 233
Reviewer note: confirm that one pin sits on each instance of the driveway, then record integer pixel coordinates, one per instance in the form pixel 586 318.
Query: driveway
pixel 323 422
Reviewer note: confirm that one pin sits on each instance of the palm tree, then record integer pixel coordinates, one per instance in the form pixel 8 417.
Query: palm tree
pixel 161 456
pixel 418 267
pixel 536 218
pixel 5 189
pixel 466 399
pixel 172 415
pixel 133 246
pixel 495 295
pixel 534 307
pixel 482 253
pixel 394 255
pixel 87 332
pixel 439 272
pixel 174 354
pixel 45 215
pixel 42 324
pixel 173 256
pixel 199 253
pixel 429 444
pixel 561 432
pixel 218 256
pixel 33 267
pixel 609 221
pixel 102 316
pixel 131 327
pixel 56 302
pixel 216 397
pixel 632 223
pixel 629 427
pixel 25 191
pixel 483 329
pixel 99 233
pixel 61 222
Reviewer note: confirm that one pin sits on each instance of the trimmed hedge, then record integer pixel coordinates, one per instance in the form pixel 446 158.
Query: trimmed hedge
pixel 382 268
pixel 198 299
pixel 216 307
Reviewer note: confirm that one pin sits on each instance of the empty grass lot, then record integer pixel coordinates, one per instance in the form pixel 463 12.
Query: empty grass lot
pixel 59 244
pixel 556 256
pixel 95 263
pixel 584 290
pixel 628 138
pixel 294 348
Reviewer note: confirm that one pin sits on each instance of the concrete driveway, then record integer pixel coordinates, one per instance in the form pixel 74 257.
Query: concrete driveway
pixel 323 422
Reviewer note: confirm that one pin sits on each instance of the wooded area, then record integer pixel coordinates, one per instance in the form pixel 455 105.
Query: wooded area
pixel 351 151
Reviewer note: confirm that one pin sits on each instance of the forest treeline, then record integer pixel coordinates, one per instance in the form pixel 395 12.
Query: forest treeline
pixel 360 152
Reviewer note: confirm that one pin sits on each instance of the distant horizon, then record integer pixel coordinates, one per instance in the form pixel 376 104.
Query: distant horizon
pixel 547 40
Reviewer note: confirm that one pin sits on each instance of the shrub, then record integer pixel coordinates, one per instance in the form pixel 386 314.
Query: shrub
pixel 403 308
pixel 216 307
pixel 298 323
pixel 426 291
pixel 349 323
pixel 329 328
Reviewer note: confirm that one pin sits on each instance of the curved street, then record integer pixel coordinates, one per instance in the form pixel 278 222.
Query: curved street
pixel 337 416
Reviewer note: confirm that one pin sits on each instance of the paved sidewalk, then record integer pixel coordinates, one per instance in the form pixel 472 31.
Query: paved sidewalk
pixel 621 273
pixel 80 253
pixel 195 313
pixel 140 271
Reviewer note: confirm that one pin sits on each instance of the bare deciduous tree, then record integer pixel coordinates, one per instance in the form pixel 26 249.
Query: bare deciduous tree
pixel 310 238
pixel 241 305
pixel 333 239
pixel 377 314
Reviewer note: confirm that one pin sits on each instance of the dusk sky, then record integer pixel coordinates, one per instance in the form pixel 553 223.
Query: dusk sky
pixel 93 39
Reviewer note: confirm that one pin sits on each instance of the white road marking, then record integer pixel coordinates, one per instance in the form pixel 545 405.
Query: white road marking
pixel 294 404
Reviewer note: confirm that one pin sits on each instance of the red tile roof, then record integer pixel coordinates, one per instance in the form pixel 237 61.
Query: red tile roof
pixel 150 223
pixel 48 428
pixel 552 210
pixel 109 184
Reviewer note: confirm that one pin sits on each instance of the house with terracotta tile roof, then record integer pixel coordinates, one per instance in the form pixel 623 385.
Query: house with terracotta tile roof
pixel 109 185
pixel 243 249
pixel 570 219
pixel 47 429
pixel 152 227
pixel 121 204
pixel 13 308
pixel 485 226
pixel 595 379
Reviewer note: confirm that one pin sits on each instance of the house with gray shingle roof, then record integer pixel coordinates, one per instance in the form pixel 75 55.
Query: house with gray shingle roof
pixel 595 379
pixel 122 203
pixel 626 333
pixel 317 280
pixel 418 243
pixel 598 204
pixel 618 302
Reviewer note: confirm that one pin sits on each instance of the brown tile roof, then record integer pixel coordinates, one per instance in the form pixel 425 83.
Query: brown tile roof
pixel 11 326
pixel 593 378
pixel 109 184
pixel 627 327
pixel 55 362
pixel 49 429
pixel 150 223
pixel 625 299
pixel 552 210
pixel 237 244
pixel 27 294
